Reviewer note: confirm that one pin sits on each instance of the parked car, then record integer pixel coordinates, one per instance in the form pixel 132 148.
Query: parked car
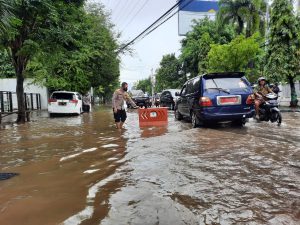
pixel 65 102
pixel 216 97
pixel 168 98
pixel 140 99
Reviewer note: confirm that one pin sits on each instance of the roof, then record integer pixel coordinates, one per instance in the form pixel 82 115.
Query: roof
pixel 224 74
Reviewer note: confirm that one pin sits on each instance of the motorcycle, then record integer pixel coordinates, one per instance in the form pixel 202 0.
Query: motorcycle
pixel 269 111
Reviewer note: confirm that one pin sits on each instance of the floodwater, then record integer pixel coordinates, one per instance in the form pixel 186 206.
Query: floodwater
pixel 81 170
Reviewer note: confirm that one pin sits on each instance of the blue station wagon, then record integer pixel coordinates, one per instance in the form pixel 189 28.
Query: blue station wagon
pixel 216 97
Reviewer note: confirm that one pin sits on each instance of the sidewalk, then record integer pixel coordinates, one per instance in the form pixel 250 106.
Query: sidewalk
pixel 289 109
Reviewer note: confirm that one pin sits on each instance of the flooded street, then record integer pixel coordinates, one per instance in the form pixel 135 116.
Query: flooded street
pixel 81 170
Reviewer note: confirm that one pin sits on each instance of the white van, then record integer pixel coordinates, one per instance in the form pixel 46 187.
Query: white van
pixel 65 102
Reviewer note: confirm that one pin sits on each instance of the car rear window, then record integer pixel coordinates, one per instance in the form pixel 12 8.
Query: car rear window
pixel 63 96
pixel 225 83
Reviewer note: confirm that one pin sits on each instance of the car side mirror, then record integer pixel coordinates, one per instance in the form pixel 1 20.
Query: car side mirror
pixel 177 94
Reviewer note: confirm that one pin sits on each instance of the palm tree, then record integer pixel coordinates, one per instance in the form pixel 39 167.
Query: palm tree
pixel 255 17
pixel 5 14
pixel 230 12
pixel 249 14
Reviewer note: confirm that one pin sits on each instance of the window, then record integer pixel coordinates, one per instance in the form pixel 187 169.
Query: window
pixel 190 87
pixel 63 96
pixel 196 85
pixel 183 91
pixel 225 83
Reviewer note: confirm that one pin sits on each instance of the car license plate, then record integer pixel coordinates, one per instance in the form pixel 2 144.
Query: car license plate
pixel 62 103
pixel 229 100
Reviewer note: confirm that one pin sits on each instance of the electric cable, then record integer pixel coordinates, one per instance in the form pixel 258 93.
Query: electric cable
pixel 135 15
pixel 150 28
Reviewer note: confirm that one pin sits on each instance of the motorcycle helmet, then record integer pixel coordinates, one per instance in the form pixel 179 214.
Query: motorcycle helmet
pixel 260 79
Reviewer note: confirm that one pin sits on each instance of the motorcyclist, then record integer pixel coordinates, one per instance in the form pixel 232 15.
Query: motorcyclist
pixel 260 92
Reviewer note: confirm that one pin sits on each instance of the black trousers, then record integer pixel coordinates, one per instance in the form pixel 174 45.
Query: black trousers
pixel 120 116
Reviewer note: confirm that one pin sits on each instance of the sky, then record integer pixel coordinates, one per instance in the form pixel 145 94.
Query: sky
pixel 131 17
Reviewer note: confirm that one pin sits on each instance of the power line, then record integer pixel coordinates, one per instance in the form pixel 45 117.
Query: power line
pixel 118 8
pixel 128 6
pixel 143 6
pixel 150 28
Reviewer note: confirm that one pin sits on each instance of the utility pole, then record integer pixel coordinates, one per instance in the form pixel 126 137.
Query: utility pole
pixel 152 81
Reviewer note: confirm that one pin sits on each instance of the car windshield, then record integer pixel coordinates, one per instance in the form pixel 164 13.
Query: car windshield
pixel 225 83
pixel 63 96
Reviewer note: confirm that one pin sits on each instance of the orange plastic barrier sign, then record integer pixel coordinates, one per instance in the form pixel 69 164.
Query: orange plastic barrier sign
pixel 153 116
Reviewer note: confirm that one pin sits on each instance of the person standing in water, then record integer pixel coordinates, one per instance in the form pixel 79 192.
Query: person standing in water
pixel 119 98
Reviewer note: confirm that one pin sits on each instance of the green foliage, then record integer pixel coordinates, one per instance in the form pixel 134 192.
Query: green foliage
pixel 196 45
pixel 62 45
pixel 84 56
pixel 6 7
pixel 234 56
pixel 6 68
pixel 169 74
pixel 282 53
pixel 243 12
pixel 145 85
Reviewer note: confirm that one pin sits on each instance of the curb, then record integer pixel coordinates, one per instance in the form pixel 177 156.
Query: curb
pixel 289 109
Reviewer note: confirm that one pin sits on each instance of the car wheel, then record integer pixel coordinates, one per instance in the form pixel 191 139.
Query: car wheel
pixel 239 123
pixel 195 120
pixel 178 116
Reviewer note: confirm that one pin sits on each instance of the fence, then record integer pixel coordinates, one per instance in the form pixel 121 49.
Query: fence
pixel 8 103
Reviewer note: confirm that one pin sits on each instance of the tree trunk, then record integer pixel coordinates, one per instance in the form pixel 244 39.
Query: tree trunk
pixel 21 99
pixel 20 63
pixel 294 100
pixel 240 26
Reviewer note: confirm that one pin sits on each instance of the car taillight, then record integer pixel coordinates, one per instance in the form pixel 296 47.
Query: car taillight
pixel 52 100
pixel 74 101
pixel 205 101
pixel 250 100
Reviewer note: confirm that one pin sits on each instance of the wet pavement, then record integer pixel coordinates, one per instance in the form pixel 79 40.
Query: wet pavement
pixel 81 170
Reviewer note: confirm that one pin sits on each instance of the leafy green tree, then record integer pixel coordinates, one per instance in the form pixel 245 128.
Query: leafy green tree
pixel 169 73
pixel 196 45
pixel 33 19
pixel 283 44
pixel 6 7
pixel 88 60
pixel 6 68
pixel 235 56
pixel 145 85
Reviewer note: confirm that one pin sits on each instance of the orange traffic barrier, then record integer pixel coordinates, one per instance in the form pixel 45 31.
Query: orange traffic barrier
pixel 153 117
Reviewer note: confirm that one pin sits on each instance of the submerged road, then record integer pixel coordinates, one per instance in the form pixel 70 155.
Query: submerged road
pixel 81 170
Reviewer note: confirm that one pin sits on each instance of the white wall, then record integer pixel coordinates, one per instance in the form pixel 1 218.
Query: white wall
pixel 285 94
pixel 10 85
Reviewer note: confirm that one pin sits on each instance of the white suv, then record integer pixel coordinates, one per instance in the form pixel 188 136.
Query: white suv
pixel 65 102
